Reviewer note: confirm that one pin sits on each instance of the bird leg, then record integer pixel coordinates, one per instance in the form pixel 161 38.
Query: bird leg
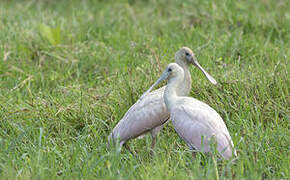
pixel 153 142
pixel 128 148
pixel 154 133
pixel 152 145
pixel 193 155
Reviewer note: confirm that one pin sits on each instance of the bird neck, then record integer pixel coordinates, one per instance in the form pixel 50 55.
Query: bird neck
pixel 170 94
pixel 186 85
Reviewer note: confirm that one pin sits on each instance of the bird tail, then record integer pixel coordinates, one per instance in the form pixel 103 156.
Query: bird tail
pixel 232 145
pixel 110 140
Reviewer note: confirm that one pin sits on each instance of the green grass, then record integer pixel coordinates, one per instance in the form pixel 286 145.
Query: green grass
pixel 69 70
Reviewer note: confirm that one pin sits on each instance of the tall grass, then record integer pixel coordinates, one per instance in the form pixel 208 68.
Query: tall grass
pixel 69 70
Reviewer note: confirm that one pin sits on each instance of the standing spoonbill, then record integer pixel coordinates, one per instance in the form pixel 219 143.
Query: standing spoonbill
pixel 150 113
pixel 194 121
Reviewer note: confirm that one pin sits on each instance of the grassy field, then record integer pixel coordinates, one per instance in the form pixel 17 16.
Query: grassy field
pixel 69 70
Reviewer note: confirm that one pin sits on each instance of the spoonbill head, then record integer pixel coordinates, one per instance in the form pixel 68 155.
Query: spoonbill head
pixel 185 56
pixel 172 72
pixel 194 121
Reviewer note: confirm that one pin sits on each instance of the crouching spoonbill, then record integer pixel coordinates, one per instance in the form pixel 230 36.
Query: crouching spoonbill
pixel 194 121
pixel 150 113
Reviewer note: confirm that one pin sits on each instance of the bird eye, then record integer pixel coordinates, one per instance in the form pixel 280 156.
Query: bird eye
pixel 169 69
pixel 187 54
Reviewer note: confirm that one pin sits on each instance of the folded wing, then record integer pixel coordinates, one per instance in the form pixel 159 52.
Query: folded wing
pixel 197 123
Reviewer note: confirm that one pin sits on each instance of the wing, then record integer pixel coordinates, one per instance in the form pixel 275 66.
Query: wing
pixel 196 123
pixel 143 116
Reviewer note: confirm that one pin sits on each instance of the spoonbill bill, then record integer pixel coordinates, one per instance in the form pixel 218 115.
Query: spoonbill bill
pixel 150 114
pixel 194 121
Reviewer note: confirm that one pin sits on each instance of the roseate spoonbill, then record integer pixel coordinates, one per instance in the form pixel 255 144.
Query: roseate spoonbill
pixel 150 113
pixel 194 121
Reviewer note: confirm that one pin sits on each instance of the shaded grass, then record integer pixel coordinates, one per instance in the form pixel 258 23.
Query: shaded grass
pixel 62 92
